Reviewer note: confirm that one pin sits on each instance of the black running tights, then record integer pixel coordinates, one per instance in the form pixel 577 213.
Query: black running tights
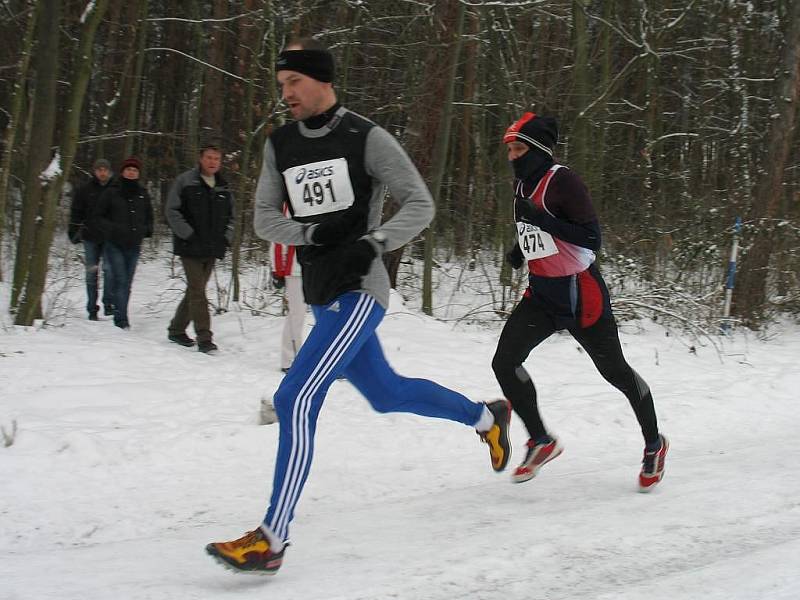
pixel 527 327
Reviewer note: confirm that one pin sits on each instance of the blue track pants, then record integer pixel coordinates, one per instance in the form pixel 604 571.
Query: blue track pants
pixel 343 342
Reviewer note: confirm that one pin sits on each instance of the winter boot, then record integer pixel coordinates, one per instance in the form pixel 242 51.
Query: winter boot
pixel 181 338
pixel 207 347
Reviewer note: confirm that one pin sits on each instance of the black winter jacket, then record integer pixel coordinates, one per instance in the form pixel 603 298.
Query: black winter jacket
pixel 86 197
pixel 201 217
pixel 124 213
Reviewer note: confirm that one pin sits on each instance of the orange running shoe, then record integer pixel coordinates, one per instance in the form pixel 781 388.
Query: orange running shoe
pixel 251 552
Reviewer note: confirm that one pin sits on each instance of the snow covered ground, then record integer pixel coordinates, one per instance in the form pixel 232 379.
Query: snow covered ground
pixel 132 453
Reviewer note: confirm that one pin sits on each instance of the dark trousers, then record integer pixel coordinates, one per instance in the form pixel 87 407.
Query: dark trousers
pixel 194 304
pixel 93 253
pixel 122 261
pixel 527 327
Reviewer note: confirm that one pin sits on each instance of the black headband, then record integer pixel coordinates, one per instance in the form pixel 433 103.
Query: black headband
pixel 317 64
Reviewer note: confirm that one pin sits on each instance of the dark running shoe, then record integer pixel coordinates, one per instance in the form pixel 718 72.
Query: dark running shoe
pixel 250 553
pixel 182 339
pixel 207 347
pixel 93 316
pixel 497 436
pixel 537 456
pixel 108 310
pixel 653 466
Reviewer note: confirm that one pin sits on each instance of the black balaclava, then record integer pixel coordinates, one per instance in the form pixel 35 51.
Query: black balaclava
pixel 531 166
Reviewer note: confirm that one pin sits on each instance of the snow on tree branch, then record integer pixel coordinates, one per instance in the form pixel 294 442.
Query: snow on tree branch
pixel 53 170
pixel 87 11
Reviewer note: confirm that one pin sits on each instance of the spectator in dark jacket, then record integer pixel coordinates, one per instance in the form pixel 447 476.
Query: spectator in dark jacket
pixel 124 215
pixel 81 231
pixel 199 211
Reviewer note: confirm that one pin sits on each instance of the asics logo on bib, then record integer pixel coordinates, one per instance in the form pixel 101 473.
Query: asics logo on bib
pixel 313 173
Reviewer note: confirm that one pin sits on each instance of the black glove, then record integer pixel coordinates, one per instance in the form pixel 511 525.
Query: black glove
pixel 525 211
pixel 359 255
pixel 340 228
pixel 514 257
pixel 278 281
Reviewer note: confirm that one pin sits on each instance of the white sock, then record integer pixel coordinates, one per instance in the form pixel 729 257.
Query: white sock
pixel 275 544
pixel 486 421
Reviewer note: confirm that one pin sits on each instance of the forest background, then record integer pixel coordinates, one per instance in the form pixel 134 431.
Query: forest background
pixel 680 117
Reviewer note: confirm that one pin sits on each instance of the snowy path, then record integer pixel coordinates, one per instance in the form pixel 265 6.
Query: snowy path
pixel 132 454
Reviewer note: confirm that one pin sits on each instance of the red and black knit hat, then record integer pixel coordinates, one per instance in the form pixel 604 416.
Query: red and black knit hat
pixel 534 131
pixel 131 161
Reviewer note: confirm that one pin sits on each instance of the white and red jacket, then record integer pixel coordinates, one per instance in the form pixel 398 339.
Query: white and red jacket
pixel 284 262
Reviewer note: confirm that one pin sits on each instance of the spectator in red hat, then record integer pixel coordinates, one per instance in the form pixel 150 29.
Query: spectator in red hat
pixel 131 161
pixel 124 214
pixel 558 235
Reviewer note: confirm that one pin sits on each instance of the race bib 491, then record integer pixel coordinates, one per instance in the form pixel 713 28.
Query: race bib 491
pixel 320 187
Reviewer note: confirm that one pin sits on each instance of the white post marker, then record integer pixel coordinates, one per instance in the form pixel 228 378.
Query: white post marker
pixel 731 278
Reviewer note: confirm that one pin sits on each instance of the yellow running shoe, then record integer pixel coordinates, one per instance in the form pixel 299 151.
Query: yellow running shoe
pixel 251 552
pixel 497 436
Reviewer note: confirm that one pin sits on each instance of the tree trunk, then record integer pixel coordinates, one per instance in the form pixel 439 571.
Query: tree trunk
pixel 243 198
pixel 34 286
pixel 213 103
pixel 196 91
pixel 752 282
pixel 441 152
pixel 464 197
pixel 15 113
pixel 34 212
pixel 580 141
pixel 110 65
pixel 133 107
pixel 117 100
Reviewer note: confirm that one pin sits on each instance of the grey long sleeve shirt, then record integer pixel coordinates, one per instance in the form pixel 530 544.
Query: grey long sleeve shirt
pixel 389 167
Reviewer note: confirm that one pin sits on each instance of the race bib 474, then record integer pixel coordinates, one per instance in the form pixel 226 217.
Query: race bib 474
pixel 534 242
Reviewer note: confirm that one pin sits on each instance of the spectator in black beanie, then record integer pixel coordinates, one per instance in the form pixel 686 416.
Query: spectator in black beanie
pixel 81 231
